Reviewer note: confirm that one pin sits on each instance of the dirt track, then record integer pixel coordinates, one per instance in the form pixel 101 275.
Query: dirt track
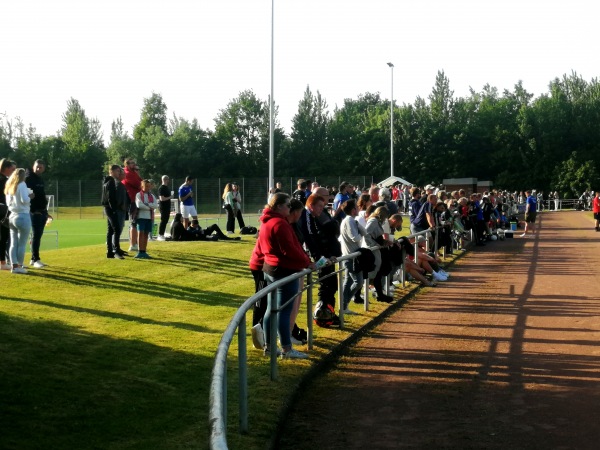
pixel 506 354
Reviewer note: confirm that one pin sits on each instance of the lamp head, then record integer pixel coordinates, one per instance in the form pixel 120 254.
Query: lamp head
pixel 390 64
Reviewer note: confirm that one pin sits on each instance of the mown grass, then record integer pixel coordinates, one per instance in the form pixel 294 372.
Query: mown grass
pixel 98 353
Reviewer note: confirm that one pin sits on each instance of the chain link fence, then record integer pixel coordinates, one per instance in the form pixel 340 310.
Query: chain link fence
pixel 82 198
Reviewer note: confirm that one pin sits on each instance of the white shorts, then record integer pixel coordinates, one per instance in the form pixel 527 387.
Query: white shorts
pixel 187 211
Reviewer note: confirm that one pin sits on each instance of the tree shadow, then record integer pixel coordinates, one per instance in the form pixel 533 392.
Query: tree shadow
pixel 62 387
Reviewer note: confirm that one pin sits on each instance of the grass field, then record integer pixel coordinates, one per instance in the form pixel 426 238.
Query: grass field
pixel 99 353
pixel 77 227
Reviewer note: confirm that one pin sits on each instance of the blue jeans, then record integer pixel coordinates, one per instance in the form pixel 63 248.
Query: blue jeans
pixel 20 227
pixel 38 223
pixel 352 282
pixel 281 296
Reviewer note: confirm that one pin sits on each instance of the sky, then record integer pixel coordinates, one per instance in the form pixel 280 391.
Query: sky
pixel 199 55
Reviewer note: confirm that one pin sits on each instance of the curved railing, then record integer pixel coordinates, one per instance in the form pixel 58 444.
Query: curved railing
pixel 218 383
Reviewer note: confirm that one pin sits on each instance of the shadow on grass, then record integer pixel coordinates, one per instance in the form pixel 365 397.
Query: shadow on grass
pixel 131 285
pixel 62 387
pixel 114 315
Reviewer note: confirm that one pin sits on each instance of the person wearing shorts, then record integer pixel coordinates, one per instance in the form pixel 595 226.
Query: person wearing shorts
pixel 530 213
pixel 596 209
pixel 186 197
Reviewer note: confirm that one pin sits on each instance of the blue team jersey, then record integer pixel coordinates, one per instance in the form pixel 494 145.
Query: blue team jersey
pixel 531 201
pixel 184 190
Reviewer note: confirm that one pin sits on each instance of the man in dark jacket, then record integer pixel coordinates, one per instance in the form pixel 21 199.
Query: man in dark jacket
pixel 321 232
pixel 39 210
pixel 113 204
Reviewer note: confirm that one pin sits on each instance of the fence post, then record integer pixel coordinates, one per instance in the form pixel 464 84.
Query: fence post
pixel 273 330
pixel 243 376
pixel 56 201
pixel 80 199
pixel 340 276
pixel 309 309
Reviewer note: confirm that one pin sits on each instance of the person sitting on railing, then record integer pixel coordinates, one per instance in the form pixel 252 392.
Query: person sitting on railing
pixel 403 244
pixel 321 232
pixel 375 231
pixel 428 262
pixel 283 256
pixel 351 236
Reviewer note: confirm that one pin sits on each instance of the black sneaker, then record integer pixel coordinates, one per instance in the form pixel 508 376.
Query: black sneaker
pixel 385 298
pixel 359 300
pixel 110 255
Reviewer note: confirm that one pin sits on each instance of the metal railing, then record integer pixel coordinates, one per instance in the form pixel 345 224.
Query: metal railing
pixel 218 384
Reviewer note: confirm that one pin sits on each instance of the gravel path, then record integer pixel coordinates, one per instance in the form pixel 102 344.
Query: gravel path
pixel 504 355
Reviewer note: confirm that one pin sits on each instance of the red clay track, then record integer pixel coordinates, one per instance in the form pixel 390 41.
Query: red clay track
pixel 504 355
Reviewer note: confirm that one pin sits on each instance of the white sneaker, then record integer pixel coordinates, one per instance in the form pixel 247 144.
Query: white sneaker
pixel 444 273
pixel 523 235
pixel 267 351
pixel 258 336
pixel 19 270
pixel 38 264
pixel 349 312
pixel 5 267
pixel 438 276
pixel 296 341
pixel 230 232
pixel 293 354
pixel 133 248
pixel 160 238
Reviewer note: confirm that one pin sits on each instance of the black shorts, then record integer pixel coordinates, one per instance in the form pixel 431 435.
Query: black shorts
pixel 597 216
pixel 530 217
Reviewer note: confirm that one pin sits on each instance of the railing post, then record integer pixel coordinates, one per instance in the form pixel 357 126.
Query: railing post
pixel 273 330
pixel 367 292
pixel 309 310
pixel 243 376
pixel 340 276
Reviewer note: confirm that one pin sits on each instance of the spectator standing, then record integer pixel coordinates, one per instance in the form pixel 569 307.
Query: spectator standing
pixel 300 193
pixel 146 204
pixel 186 197
pixel 132 183
pixel 596 209
pixel 556 201
pixel 18 199
pixel 39 210
pixel 164 206
pixel 110 201
pixel 7 167
pixel 283 256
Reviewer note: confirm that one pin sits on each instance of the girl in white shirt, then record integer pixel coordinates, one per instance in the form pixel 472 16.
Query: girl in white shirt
pixel 18 199
pixel 146 203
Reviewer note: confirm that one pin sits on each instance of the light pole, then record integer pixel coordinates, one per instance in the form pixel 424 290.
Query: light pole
pixel 271 182
pixel 392 124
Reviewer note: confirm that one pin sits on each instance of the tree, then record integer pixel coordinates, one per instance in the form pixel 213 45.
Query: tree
pixel 309 140
pixel 153 114
pixel 83 155
pixel 574 176
pixel 242 133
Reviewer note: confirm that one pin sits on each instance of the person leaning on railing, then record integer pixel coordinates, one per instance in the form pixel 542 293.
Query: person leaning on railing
pixel 283 256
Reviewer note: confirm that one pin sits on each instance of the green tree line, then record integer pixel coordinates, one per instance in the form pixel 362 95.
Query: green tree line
pixel 511 138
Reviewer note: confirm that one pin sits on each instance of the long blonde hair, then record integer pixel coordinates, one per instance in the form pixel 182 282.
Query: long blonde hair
pixel 228 188
pixel 18 176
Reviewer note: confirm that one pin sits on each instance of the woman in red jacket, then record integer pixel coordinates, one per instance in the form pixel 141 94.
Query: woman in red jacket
pixel 283 256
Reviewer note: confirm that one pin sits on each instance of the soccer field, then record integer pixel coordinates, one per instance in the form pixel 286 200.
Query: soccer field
pixel 74 232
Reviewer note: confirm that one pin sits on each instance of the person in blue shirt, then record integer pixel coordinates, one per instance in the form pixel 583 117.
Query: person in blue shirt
pixel 340 198
pixel 530 213
pixel 186 197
